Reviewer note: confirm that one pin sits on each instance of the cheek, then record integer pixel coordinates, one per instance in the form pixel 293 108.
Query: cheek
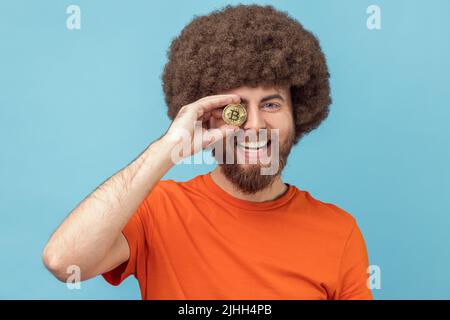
pixel 283 122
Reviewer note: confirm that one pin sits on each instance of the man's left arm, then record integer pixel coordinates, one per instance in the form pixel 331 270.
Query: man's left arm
pixel 353 272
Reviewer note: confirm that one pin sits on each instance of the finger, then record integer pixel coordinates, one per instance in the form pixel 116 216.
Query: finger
pixel 228 129
pixel 215 135
pixel 205 116
pixel 217 113
pixel 212 122
pixel 217 96
pixel 210 137
pixel 209 105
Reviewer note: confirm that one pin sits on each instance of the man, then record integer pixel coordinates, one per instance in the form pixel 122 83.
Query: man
pixel 232 233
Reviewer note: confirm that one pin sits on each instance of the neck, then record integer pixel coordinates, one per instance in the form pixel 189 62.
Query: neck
pixel 272 192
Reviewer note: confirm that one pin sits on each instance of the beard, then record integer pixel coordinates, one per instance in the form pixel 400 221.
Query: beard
pixel 248 178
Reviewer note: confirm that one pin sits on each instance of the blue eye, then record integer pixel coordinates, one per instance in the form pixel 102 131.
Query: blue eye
pixel 271 106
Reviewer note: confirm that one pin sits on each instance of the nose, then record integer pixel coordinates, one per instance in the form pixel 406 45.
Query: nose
pixel 255 119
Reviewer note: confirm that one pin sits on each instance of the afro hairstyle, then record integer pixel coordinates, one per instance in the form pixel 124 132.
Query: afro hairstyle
pixel 251 45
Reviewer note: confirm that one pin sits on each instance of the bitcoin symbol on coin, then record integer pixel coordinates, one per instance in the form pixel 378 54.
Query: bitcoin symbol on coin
pixel 234 114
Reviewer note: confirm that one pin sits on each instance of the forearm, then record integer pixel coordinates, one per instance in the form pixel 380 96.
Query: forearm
pixel 91 229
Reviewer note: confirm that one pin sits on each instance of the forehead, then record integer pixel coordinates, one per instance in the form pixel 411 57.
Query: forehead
pixel 260 91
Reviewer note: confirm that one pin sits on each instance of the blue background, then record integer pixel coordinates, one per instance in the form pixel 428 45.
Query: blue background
pixel 78 105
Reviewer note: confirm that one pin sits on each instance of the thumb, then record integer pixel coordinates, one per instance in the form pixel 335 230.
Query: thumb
pixel 212 136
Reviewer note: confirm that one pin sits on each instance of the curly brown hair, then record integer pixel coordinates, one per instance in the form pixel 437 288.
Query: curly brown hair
pixel 249 45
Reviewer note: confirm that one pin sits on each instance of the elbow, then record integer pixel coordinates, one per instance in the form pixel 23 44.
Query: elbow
pixel 54 264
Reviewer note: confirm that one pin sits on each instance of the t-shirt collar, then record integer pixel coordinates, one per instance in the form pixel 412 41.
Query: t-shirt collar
pixel 217 191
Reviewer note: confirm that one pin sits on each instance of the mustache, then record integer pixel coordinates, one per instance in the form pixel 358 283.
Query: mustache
pixel 280 147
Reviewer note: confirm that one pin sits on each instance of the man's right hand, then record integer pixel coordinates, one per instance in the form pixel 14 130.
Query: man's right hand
pixel 207 110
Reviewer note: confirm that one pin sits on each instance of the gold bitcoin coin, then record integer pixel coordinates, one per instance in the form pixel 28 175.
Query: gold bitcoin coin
pixel 234 114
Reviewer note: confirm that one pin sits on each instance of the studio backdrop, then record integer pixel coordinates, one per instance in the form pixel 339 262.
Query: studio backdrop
pixel 81 97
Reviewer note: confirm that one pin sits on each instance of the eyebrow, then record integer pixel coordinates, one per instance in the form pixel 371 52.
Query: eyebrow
pixel 272 96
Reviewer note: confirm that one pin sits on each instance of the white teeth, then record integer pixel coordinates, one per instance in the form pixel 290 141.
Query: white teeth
pixel 253 145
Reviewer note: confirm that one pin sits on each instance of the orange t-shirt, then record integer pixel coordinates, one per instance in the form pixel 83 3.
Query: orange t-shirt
pixel 193 240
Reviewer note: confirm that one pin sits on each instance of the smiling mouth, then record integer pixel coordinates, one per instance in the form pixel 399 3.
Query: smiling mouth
pixel 253 146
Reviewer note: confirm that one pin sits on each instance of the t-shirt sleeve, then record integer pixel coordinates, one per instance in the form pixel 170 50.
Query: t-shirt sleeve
pixel 137 232
pixel 353 271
